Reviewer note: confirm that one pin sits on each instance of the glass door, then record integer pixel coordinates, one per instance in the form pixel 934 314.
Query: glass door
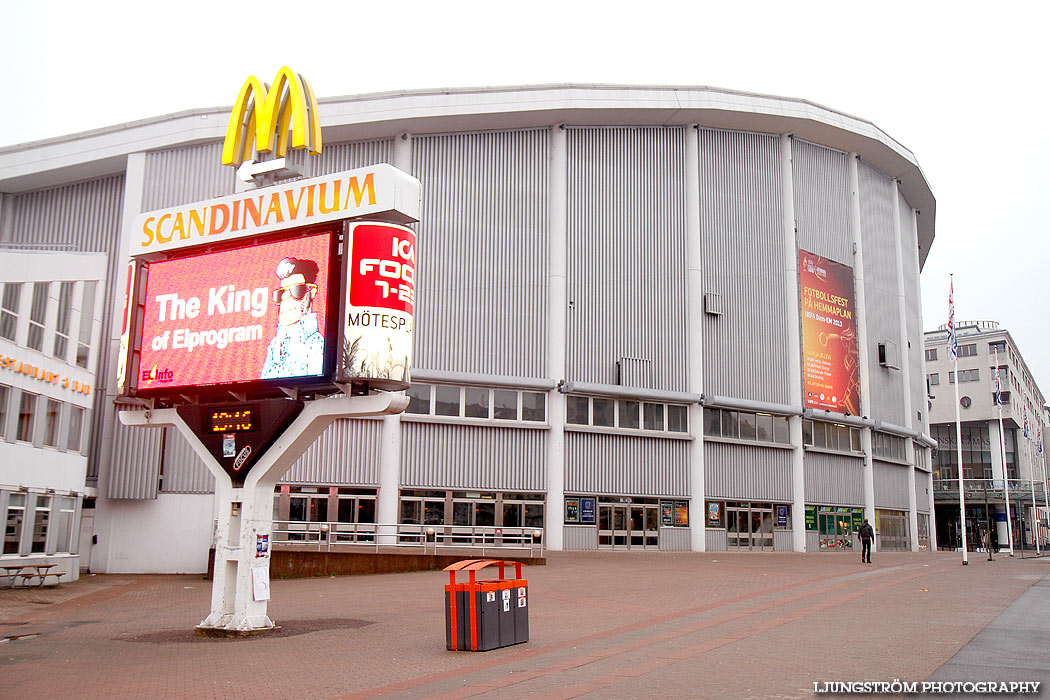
pixel 738 528
pixel 612 526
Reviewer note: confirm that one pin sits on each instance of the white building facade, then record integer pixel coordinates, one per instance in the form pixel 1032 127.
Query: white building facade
pixel 608 346
pixel 986 448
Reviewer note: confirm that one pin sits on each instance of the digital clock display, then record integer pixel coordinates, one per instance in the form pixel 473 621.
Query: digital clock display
pixel 236 419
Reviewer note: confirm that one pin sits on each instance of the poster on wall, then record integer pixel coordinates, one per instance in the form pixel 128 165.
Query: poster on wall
pixel 681 513
pixel 714 513
pixel 831 375
pixel 248 314
pixel 572 510
pixel 587 510
pixel 666 514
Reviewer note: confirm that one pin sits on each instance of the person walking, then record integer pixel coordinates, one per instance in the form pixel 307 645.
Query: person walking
pixel 867 535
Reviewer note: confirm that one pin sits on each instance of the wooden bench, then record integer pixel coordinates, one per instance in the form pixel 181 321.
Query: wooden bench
pixel 28 578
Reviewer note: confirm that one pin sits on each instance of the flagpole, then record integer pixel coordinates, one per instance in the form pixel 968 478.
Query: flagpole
pixel 953 353
pixel 1002 447
pixel 1031 482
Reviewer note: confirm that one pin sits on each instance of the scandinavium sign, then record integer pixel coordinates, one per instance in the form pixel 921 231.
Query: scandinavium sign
pixel 379 191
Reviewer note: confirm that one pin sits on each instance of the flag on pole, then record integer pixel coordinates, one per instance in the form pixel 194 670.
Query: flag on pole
pixel 1039 437
pixel 1027 435
pixel 953 342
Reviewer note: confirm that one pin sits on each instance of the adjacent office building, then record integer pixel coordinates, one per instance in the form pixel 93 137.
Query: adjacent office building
pixel 49 348
pixel 987 442
pixel 647 318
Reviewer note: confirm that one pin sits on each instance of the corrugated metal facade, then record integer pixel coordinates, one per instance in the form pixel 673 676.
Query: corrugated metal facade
pixel 184 175
pixel 347 452
pixel 184 472
pixel 912 305
pixel 834 480
pixel 581 539
pixel 626 266
pixel 483 238
pixel 882 311
pixel 891 485
pixel 743 472
pixel 741 224
pixel 674 539
pixel 438 455
pixel 626 465
pixel 716 540
pixel 84 216
pixel 134 470
pixel 822 193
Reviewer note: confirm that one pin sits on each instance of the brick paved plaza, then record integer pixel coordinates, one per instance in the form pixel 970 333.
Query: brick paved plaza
pixel 603 625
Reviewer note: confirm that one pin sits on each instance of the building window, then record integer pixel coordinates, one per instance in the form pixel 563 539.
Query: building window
pixel 26 417
pixel 37 314
pixel 66 508
pixel 969 350
pixel 87 318
pixel 9 310
pixel 935 379
pixel 419 399
pixel 65 310
pixel 627 414
pixel 931 354
pixel 965 375
pixel 16 514
pixel 5 400
pixel 76 426
pixel 477 402
pixel 997 347
pixel 41 522
pixel 887 446
pixel 743 425
pixel 52 420
pixel 831 436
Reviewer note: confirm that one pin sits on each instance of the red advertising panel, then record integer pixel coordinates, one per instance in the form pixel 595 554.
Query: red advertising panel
pixel 241 315
pixel 380 296
pixel 831 377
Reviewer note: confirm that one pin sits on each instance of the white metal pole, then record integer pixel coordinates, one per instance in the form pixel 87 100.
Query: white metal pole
pixel 1006 481
pixel 1031 483
pixel 958 448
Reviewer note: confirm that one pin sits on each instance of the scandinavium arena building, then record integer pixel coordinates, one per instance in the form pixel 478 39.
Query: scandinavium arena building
pixel 647 318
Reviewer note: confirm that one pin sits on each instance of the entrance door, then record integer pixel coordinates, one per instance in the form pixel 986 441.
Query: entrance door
pixel 836 531
pixel 749 527
pixel 612 526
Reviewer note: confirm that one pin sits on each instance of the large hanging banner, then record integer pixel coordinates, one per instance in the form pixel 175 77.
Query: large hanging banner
pixel 831 377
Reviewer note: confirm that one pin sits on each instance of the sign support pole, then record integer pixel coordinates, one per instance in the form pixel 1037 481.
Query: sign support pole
pixel 240 581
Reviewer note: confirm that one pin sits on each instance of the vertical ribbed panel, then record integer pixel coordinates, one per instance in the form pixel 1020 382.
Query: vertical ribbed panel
pixel 347 452
pixel 923 484
pixel 626 257
pixel 626 465
pixel 135 469
pixel 483 240
pixel 743 472
pixel 891 485
pixel 86 217
pixel 741 221
pixel 336 157
pixel 439 455
pixel 912 308
pixel 675 539
pixel 834 480
pixel 821 182
pixel 184 175
pixel 580 539
pixel 783 541
pixel 184 472
pixel 881 308
pixel 716 540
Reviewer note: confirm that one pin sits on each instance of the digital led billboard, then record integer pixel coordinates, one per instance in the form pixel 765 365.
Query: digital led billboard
pixel 254 313
pixel 831 375
pixel 380 298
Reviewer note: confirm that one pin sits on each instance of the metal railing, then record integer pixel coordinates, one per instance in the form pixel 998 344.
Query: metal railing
pixel 431 539
pixel 1019 489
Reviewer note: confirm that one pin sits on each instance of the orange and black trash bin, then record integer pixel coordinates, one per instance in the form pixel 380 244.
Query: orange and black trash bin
pixel 485 614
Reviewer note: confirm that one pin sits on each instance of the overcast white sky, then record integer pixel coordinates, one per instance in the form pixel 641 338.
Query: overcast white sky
pixel 963 85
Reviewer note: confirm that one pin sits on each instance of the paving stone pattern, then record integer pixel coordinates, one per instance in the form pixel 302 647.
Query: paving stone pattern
pixel 603 625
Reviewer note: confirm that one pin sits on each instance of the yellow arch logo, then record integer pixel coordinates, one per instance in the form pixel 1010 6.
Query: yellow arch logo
pixel 263 114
